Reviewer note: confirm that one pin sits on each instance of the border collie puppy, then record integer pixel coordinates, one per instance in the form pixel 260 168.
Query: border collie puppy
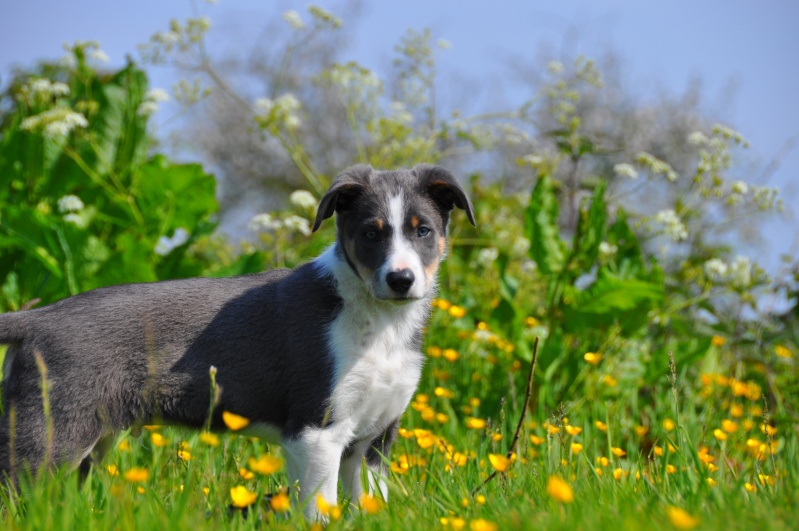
pixel 322 359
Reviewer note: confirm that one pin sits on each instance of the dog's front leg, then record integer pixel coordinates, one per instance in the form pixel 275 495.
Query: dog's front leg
pixel 312 459
pixel 351 466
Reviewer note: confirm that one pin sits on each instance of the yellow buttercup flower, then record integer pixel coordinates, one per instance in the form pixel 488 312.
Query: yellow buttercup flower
pixel 720 435
pixel 536 440
pixel 601 426
pixel 475 423
pixel 370 504
pixel 235 422
pixel 265 464
pixel 718 341
pixel 245 474
pixel 576 448
pixel 658 450
pixel 609 380
pixel 327 509
pixel 242 496
pixel 480 524
pixel 593 358
pixel 680 519
pixel 573 430
pixel 729 426
pixel 443 392
pixel 209 438
pixel 137 475
pixel 112 470
pixel 280 502
pixel 618 452
pixel 185 455
pixel 668 425
pixel 559 490
pixel 783 352
pixel 499 462
pixel 641 430
pixel 457 311
pixel 618 474
pixel 671 469
pixel 450 354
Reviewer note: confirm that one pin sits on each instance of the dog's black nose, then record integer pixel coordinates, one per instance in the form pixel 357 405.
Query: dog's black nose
pixel 400 281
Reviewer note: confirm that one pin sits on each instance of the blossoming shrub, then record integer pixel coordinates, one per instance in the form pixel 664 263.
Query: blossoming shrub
pixel 83 203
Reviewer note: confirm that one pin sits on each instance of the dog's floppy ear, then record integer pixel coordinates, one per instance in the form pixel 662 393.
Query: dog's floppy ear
pixel 344 189
pixel 445 190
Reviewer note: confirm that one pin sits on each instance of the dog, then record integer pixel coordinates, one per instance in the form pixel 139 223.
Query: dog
pixel 322 359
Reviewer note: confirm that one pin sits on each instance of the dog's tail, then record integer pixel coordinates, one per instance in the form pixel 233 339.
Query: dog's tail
pixel 12 327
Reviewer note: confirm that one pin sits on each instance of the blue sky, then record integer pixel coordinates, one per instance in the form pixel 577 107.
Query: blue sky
pixel 753 46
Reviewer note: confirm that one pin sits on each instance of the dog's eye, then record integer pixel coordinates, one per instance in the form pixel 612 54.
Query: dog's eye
pixel 423 231
pixel 370 234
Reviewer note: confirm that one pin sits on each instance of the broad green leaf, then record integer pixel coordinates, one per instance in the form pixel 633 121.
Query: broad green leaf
pixel 547 248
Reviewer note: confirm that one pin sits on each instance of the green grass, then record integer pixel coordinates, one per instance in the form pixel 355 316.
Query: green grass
pixel 484 381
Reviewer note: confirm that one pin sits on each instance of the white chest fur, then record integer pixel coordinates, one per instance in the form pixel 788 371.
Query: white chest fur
pixel 376 367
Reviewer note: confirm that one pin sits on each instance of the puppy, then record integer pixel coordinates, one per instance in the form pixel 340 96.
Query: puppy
pixel 322 359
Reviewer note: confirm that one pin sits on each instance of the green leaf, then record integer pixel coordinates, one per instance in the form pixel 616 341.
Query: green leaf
pixel 547 248
pixel 591 227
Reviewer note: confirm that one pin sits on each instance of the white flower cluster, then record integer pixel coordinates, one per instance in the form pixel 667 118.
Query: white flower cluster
pixel 54 123
pixel 673 227
pixel 283 110
pixel 555 68
pixel 70 203
pixel 188 93
pixel 294 19
pixel 151 100
pixel 268 223
pixel 303 199
pixel 181 36
pixel 625 170
pixel 607 251
pixel 738 273
pixel 487 256
pixel 730 134
pixel 444 44
pixel 400 113
pixel 297 223
pixel 698 138
pixel 166 245
pixel 766 198
pixel 656 166
pixel 325 17
pixel 38 91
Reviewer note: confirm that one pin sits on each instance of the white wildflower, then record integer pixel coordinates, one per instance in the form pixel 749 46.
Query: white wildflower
pixel 533 160
pixel 729 134
pixel 444 44
pixel 766 198
pixel 263 106
pixel 625 170
pixel 740 187
pixel 70 203
pixel 400 113
pixel 741 272
pixel 716 269
pixel 75 219
pixel 322 15
pixel 697 138
pixel 146 108
pixel 555 68
pixel 157 95
pixel 521 245
pixel 606 251
pixel 303 199
pixel 166 244
pixel 656 166
pixel 98 55
pixel 294 19
pixel 57 122
pixel 264 222
pixel 673 227
pixel 297 224
pixel 487 256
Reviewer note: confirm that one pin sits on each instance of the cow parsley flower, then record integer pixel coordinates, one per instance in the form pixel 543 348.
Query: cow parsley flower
pixel 54 123
pixel 716 269
pixel 444 44
pixel 606 251
pixel 741 272
pixel 294 19
pixel 673 227
pixel 625 170
pixel 656 166
pixel 297 224
pixel 70 203
pixel 151 100
pixel 303 199
pixel 740 187
pixel 487 256
pixel 264 222
pixel 697 138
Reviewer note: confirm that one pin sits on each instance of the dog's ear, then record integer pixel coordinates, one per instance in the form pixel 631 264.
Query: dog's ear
pixel 445 190
pixel 346 188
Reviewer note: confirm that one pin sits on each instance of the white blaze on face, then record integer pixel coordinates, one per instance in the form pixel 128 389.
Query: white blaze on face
pixel 402 255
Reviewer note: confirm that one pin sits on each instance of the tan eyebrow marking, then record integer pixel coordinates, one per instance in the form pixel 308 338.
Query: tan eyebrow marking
pixel 380 224
pixel 414 222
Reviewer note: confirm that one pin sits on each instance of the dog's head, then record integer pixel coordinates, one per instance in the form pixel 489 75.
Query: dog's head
pixel 392 225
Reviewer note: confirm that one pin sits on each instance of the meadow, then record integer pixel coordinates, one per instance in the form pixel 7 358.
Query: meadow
pixel 665 384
